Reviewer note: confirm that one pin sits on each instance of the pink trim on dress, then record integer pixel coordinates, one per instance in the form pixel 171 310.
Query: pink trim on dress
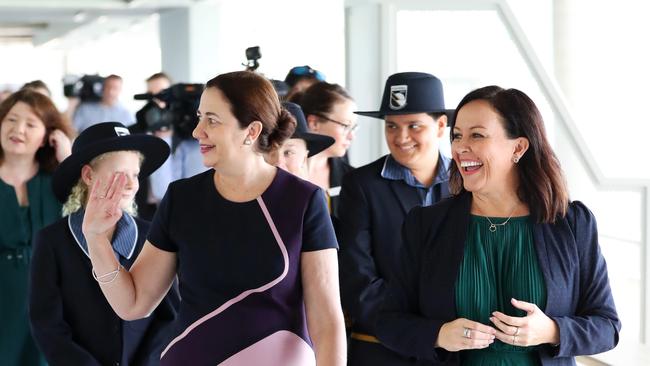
pixel 244 294
pixel 282 348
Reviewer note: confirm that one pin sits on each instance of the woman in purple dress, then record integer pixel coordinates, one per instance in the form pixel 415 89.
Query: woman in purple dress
pixel 253 245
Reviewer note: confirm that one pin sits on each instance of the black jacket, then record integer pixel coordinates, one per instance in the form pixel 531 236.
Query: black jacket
pixel 71 320
pixel 371 214
pixel 421 296
pixel 338 169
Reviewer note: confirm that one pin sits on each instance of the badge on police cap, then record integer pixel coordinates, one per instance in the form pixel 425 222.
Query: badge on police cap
pixel 398 94
pixel 121 131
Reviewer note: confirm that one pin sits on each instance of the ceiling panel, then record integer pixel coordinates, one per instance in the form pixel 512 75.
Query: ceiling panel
pixel 40 21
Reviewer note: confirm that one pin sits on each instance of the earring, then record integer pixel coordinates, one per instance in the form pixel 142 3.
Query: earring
pixel 515 159
pixel 248 141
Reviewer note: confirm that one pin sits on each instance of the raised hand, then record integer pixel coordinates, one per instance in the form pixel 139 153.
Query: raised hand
pixel 533 329
pixel 462 334
pixel 103 206
pixel 61 144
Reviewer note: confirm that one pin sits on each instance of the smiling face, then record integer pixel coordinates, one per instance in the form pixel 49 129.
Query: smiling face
pixel 483 152
pixel 22 132
pixel 220 137
pixel 104 166
pixel 413 139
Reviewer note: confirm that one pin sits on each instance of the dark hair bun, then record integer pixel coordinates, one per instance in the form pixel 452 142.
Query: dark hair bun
pixel 283 130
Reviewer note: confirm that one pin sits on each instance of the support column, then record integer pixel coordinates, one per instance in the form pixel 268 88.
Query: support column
pixel 365 78
pixel 189 39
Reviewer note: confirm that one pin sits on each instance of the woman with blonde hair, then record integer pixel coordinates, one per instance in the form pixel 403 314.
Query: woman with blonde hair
pixel 71 321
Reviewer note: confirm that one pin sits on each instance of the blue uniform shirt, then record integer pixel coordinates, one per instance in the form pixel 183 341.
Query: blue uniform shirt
pixel 393 170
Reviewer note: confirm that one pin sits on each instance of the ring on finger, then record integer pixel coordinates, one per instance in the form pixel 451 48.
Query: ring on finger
pixel 101 197
pixel 514 339
pixel 516 331
pixel 467 333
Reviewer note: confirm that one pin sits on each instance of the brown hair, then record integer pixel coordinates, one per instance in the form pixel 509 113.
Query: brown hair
pixel 252 98
pixel 319 98
pixel 113 76
pixel 37 84
pixel 43 107
pixel 541 182
pixel 158 75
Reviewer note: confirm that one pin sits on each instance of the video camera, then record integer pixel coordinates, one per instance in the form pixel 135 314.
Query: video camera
pixel 173 107
pixel 253 54
pixel 88 88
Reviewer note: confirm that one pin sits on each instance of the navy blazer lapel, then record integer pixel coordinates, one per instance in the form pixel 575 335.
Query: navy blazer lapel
pixel 450 243
pixel 460 213
pixel 406 195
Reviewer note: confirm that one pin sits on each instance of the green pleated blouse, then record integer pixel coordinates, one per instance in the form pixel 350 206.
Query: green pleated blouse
pixel 18 225
pixel 496 267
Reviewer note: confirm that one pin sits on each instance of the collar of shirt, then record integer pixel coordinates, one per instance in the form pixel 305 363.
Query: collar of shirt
pixel 393 170
pixel 124 238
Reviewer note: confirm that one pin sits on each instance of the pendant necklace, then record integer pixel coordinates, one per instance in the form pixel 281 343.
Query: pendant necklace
pixel 493 226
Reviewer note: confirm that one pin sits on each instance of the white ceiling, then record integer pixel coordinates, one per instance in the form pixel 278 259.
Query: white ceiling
pixel 40 21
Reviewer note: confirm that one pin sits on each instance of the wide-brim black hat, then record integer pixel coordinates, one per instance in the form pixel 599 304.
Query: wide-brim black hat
pixel 102 138
pixel 411 93
pixel 315 142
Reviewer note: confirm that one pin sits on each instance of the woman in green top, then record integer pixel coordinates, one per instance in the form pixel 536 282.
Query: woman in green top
pixel 34 139
pixel 508 271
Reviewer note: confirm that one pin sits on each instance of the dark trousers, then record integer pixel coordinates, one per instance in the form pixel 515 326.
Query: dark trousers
pixel 362 353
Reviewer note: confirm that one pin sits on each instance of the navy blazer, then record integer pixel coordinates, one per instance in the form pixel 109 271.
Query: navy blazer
pixel 422 296
pixel 372 210
pixel 72 321
pixel 338 169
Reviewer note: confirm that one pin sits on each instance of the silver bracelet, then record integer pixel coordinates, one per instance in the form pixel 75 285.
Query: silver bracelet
pixel 114 273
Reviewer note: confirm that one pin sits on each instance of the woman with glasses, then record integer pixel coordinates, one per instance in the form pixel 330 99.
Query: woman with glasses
pixel 329 111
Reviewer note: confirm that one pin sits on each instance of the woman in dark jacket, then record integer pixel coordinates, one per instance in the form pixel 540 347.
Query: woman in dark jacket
pixel 508 271
pixel 72 322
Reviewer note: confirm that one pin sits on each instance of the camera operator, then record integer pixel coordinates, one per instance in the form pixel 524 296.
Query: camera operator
pixel 153 188
pixel 170 114
pixel 108 108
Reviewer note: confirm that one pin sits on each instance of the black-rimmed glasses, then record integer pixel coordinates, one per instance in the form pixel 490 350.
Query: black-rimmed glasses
pixel 346 127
